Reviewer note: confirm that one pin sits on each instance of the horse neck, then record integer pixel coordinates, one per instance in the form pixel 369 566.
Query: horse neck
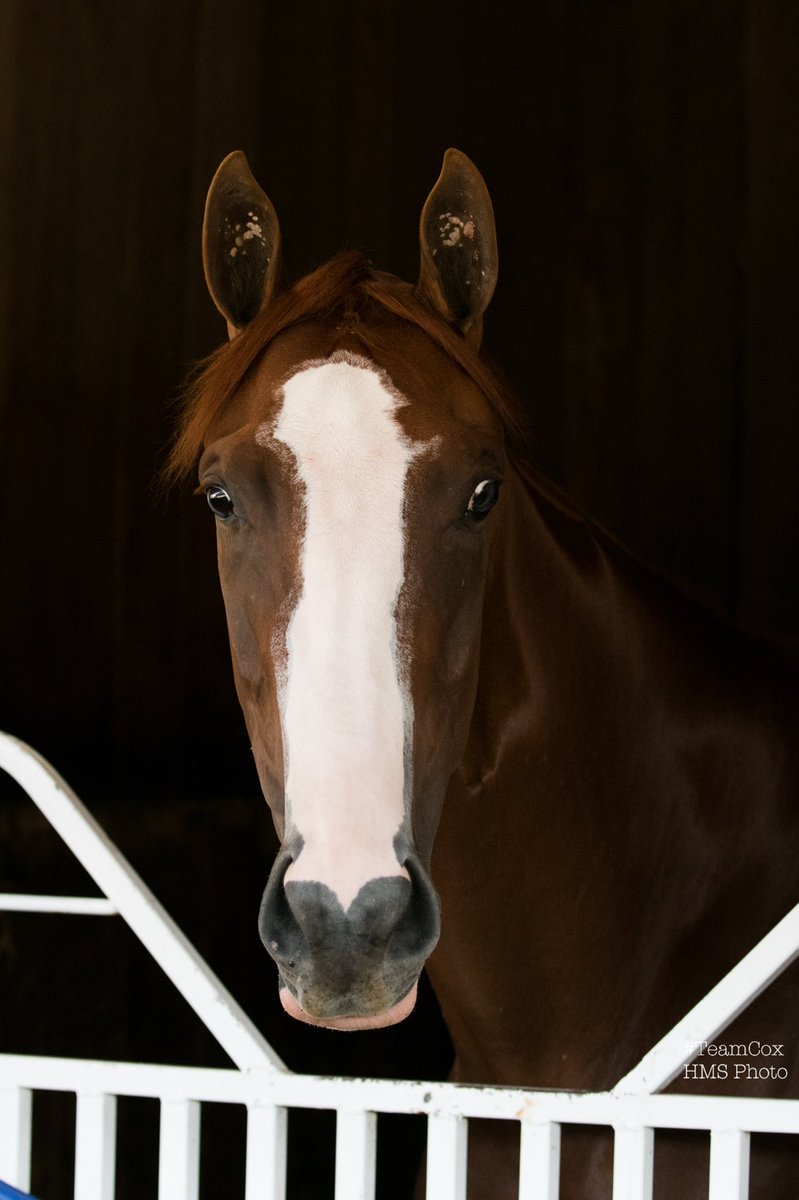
pixel 587 821
pixel 589 663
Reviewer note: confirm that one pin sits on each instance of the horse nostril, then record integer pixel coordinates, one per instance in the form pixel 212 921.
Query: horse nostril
pixel 278 927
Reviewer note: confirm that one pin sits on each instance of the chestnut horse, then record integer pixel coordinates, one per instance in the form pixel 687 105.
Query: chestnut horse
pixel 441 661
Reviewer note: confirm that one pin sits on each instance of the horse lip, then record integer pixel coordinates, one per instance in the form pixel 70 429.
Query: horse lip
pixel 396 1012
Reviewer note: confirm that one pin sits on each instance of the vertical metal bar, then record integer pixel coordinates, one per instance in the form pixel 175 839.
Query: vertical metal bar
pixel 267 1126
pixel 446 1158
pixel 356 1143
pixel 95 1147
pixel 729 1165
pixel 633 1161
pixel 179 1152
pixel 15 1136
pixel 539 1161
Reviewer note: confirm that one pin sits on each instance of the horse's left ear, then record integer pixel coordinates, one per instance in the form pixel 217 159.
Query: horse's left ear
pixel 241 244
pixel 459 246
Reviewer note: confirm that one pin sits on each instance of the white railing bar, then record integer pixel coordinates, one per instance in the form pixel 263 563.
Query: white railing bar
pixel 717 1009
pixel 633 1160
pixel 729 1165
pixel 95 1147
pixel 15 1136
pixel 89 906
pixel 267 1127
pixel 179 1150
pixel 539 1161
pixel 149 921
pixel 755 1114
pixel 447 1144
pixel 356 1146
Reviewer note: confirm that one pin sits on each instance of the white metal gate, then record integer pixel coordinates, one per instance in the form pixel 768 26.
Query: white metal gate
pixel 261 1083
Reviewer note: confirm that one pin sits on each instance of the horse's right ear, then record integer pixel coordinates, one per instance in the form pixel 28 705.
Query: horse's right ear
pixel 241 244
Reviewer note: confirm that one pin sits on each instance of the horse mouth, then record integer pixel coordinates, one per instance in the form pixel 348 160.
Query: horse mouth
pixel 390 1016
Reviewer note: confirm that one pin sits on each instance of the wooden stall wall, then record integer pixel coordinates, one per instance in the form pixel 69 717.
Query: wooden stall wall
pixel 642 156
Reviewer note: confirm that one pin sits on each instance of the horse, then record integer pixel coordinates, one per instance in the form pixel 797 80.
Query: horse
pixel 492 741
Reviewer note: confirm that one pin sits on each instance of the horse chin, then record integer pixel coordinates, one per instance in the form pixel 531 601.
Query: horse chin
pixel 390 1016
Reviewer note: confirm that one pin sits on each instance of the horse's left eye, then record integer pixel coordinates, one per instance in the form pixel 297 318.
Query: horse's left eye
pixel 483 498
pixel 219 502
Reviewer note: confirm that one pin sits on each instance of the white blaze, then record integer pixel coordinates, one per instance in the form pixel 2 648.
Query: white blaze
pixel 344 709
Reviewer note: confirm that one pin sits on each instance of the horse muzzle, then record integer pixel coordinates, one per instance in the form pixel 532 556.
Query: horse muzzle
pixel 353 969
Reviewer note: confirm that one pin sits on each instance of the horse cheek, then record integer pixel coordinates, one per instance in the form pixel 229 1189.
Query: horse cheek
pixel 444 682
pixel 251 629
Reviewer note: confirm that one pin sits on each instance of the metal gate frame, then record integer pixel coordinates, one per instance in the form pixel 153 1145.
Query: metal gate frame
pixel 634 1109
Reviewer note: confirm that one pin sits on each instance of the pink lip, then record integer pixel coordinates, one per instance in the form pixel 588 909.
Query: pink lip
pixel 391 1016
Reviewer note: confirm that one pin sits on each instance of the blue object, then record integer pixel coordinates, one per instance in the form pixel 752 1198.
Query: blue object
pixel 7 1192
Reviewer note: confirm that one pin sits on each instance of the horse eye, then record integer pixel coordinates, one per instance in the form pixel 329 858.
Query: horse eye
pixel 483 499
pixel 219 502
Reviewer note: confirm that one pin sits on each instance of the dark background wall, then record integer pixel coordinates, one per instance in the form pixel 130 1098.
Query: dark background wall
pixel 644 162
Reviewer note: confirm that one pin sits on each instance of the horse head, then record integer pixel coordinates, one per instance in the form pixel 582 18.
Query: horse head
pixel 352 455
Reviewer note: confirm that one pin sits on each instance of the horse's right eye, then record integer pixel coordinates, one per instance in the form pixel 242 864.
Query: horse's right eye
pixel 219 502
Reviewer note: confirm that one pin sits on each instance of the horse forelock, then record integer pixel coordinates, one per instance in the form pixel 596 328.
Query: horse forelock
pixel 349 291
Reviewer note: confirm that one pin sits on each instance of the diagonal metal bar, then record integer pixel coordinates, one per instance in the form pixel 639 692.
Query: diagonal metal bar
pixel 716 1010
pixel 150 922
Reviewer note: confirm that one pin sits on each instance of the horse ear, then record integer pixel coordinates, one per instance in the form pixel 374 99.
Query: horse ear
pixel 241 244
pixel 459 246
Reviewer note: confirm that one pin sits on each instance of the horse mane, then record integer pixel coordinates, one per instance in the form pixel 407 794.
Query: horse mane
pixel 348 289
